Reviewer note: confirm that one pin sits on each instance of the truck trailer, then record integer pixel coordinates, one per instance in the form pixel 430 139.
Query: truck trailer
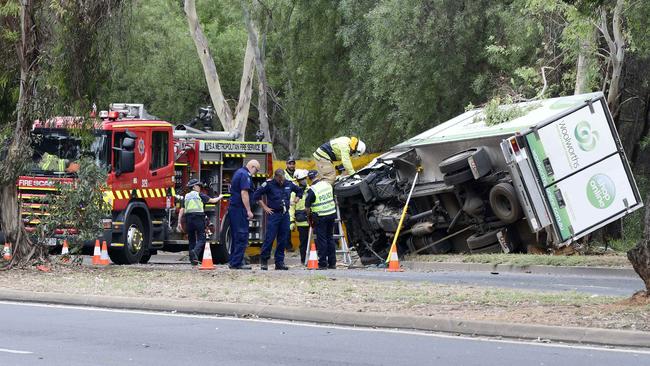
pixel 537 182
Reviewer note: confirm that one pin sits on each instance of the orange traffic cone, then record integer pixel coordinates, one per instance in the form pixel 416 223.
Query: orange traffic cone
pixel 393 260
pixel 97 253
pixel 103 257
pixel 6 252
pixel 312 262
pixel 207 258
pixel 65 252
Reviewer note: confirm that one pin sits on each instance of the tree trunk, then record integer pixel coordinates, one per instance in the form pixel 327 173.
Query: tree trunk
pixel 245 91
pixel 28 57
pixel 639 256
pixel 209 69
pixel 582 68
pixel 616 45
pixel 261 73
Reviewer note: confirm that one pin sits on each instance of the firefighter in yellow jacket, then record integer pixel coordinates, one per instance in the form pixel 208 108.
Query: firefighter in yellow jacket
pixel 338 149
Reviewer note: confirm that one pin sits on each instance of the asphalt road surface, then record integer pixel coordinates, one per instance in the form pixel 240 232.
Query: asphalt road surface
pixel 594 285
pixel 58 336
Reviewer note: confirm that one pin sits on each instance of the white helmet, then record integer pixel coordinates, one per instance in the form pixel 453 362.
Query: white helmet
pixel 361 148
pixel 300 174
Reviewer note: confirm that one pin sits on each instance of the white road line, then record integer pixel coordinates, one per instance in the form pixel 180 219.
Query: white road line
pixel 5 350
pixel 603 348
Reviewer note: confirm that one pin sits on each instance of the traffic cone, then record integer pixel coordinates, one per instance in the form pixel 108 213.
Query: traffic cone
pixel 103 257
pixel 393 260
pixel 312 262
pixel 6 252
pixel 207 258
pixel 97 253
pixel 65 252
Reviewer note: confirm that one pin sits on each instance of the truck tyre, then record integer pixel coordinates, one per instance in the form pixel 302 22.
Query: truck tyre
pixel 477 241
pixel 456 178
pixel 349 187
pixel 135 242
pixel 492 248
pixel 221 251
pixel 456 162
pixel 145 258
pixel 504 203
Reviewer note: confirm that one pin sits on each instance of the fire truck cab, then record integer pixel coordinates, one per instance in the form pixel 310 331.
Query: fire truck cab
pixel 149 162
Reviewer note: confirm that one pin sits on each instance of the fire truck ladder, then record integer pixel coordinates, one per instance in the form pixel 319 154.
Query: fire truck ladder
pixel 339 235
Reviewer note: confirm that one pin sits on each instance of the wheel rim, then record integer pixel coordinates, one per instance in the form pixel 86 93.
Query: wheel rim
pixel 228 239
pixel 134 239
pixel 350 183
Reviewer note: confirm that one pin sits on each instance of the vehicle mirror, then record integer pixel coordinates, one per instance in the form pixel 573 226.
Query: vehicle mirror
pixel 128 144
pixel 127 161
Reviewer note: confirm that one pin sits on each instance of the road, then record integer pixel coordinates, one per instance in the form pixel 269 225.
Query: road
pixel 58 336
pixel 593 285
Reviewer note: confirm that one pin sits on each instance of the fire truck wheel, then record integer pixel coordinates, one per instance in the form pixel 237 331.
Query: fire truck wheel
pixel 220 252
pixel 135 242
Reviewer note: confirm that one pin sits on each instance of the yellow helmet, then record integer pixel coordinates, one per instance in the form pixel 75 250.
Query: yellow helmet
pixel 357 146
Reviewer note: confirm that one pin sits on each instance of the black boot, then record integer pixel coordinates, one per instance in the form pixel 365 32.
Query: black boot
pixel 264 264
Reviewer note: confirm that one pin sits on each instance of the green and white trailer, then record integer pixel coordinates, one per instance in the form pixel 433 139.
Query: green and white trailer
pixel 551 174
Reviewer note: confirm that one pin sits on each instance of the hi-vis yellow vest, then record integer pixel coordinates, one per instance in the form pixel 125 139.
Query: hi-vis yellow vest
pixel 193 203
pixel 324 203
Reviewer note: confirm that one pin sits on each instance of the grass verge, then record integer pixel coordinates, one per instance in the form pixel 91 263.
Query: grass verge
pixel 612 260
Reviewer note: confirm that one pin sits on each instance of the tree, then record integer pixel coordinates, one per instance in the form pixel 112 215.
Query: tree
pixel 639 256
pixel 212 77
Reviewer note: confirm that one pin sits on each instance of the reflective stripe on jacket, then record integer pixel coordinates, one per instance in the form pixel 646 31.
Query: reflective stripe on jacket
pixel 337 149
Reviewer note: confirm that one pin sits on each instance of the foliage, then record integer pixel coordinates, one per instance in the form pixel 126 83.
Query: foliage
pixel 80 204
pixel 497 111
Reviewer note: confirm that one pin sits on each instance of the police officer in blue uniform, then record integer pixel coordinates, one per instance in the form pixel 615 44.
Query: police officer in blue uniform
pixel 194 216
pixel 239 212
pixel 278 192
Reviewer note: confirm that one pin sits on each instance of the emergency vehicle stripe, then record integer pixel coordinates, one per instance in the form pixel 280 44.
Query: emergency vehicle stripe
pixel 138 193
pixel 118 194
pixel 144 193
pixel 151 194
pixel 173 191
pixel 125 194
pixel 159 192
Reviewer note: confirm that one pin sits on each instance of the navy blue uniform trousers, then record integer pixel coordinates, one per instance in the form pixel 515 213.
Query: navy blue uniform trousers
pixel 195 225
pixel 277 228
pixel 325 244
pixel 239 235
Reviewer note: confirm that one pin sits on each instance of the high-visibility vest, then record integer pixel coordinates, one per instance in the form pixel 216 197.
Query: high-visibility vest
pixel 193 203
pixel 297 210
pixel 324 203
pixel 288 177
pixel 52 162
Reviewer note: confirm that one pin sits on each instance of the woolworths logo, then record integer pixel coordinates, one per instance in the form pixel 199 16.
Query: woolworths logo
pixel 601 191
pixel 586 138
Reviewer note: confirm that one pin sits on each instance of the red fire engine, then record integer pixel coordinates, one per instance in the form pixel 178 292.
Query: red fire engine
pixel 149 162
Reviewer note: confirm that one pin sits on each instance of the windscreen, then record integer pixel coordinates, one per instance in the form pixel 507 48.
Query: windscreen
pixel 57 152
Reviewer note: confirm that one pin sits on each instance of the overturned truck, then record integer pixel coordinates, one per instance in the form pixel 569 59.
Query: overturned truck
pixel 536 182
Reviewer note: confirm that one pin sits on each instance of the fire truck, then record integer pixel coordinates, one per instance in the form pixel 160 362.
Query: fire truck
pixel 149 163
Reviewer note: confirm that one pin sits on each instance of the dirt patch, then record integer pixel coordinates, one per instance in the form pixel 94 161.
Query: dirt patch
pixel 605 260
pixel 354 295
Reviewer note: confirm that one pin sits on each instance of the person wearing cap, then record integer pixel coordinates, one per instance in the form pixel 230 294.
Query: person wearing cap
pixel 338 149
pixel 297 214
pixel 290 171
pixel 194 216
pixel 278 193
pixel 320 206
pixel 239 212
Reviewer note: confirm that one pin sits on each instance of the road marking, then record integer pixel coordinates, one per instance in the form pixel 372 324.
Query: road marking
pixel 424 333
pixel 5 350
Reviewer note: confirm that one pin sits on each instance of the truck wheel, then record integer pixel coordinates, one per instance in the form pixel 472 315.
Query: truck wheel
pixel 456 162
pixel 145 258
pixel 456 178
pixel 221 251
pixel 135 240
pixel 493 248
pixel 504 203
pixel 477 241
pixel 349 187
